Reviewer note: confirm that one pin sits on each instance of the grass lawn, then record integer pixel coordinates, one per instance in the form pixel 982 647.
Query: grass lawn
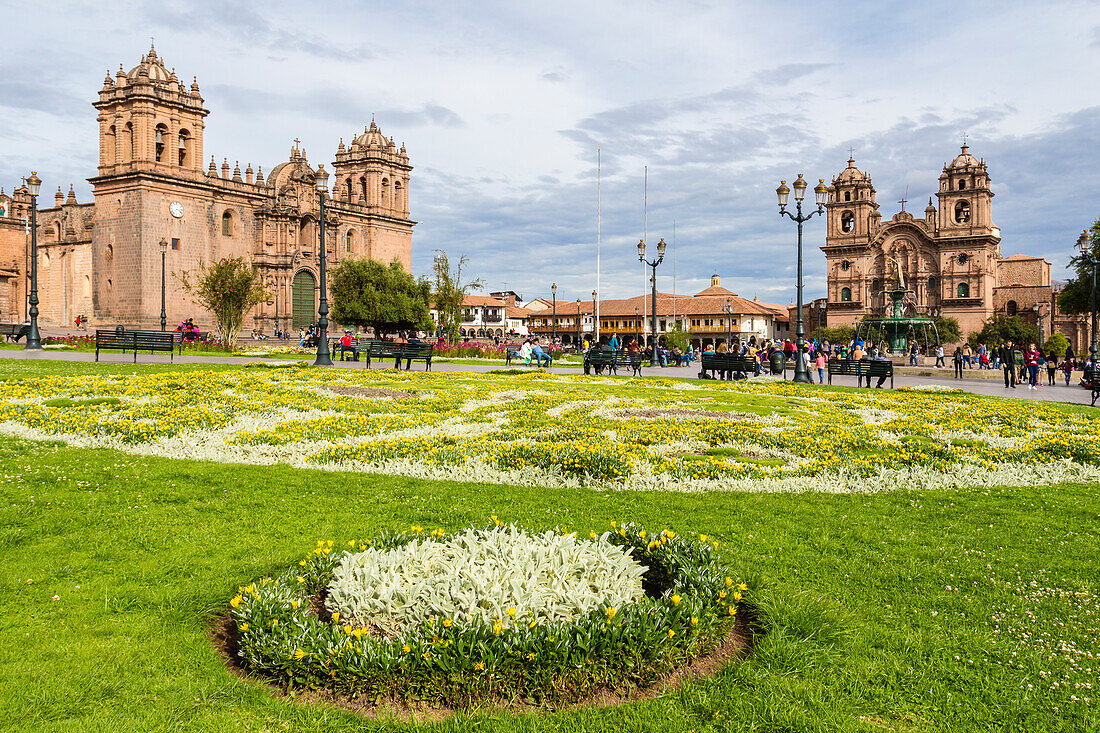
pixel 956 609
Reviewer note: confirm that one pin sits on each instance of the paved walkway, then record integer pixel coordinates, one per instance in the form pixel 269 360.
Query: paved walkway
pixel 1058 393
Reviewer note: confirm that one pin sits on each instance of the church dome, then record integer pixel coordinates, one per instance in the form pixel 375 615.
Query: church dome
pixel 851 174
pixel 372 137
pixel 153 67
pixel 964 160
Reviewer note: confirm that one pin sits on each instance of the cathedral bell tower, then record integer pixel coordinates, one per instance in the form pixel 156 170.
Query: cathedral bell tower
pixel 853 213
pixel 965 200
pixel 373 172
pixel 148 119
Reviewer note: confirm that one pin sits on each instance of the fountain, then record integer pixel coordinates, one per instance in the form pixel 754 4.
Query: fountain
pixel 897 329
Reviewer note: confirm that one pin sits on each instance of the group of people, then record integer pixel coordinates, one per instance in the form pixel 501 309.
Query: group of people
pixel 531 348
pixel 190 331
pixel 1026 365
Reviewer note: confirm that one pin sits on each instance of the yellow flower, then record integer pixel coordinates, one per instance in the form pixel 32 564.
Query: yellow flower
pixel 694 620
pixel 702 538
pixel 622 532
pixel 611 612
pixel 742 586
pixel 298 653
pixel 614 524
pixel 274 622
pixel 236 601
pixel 348 629
pixel 358 633
pixel 737 595
pixel 406 648
pixel 426 655
pixel 512 611
pixel 530 656
pixel 642 534
pixel 721 594
pixel 244 626
pixel 446 623
pixel 675 600
pixel 732 610
pixel 301 579
pixel 335 616
pixel 591 535
pixel 671 633
pixel 729 581
pixel 496 628
pixel 301 562
pixel 351 543
pixel 479 666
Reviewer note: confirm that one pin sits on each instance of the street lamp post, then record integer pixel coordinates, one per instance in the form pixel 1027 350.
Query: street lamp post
pixel 578 344
pixel 595 321
pixel 801 374
pixel 653 281
pixel 554 314
pixel 323 356
pixel 1084 244
pixel 728 310
pixel 637 336
pixel 34 339
pixel 1038 308
pixel 163 313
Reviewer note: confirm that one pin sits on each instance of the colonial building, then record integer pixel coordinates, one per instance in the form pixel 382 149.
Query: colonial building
pixel 103 258
pixel 948 261
pixel 14 245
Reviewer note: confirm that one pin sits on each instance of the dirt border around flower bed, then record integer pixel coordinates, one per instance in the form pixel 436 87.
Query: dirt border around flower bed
pixel 738 644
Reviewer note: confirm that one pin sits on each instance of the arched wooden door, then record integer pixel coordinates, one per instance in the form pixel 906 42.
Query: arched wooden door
pixel 302 303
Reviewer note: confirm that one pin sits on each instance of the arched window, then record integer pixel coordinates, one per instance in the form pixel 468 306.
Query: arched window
pixel 184 149
pixel 962 212
pixel 57 231
pixel 962 184
pixel 397 194
pixel 161 140
pixel 348 186
pixel 1011 307
pixel 128 142
pixel 386 193
pixel 86 287
pixel 876 286
pixel 847 222
pixel 933 284
pixel 109 144
pixel 363 191
pixel 963 290
pixel 348 239
pixel 227 224
pixel 846 295
pixel 847 195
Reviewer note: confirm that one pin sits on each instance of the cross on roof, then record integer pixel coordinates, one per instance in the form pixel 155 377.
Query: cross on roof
pixel 851 152
pixel 296 142
pixel 964 138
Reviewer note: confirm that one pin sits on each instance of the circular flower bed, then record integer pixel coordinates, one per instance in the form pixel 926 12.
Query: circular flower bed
pixel 499 613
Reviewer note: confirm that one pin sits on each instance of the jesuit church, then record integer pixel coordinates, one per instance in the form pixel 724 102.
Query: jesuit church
pixel 949 260
pixel 103 258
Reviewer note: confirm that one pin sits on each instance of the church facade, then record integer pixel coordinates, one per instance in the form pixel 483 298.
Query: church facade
pixel 103 258
pixel 949 261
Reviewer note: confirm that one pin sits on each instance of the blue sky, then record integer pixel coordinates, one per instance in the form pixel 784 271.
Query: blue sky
pixel 502 106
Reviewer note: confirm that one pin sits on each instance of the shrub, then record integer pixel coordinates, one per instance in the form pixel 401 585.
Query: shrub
pixel 477 648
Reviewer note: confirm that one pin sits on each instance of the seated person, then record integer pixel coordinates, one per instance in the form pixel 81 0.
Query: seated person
pixel 347 344
pixel 524 352
pixel 539 354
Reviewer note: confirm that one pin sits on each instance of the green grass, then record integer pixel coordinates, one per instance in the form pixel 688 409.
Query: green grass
pixel 899 611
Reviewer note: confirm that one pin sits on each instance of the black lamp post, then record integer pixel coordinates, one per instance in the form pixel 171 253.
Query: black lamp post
pixel 1084 244
pixel 637 336
pixel 34 339
pixel 554 314
pixel 653 280
pixel 820 192
pixel 595 323
pixel 323 356
pixel 163 313
pixel 728 310
pixel 578 344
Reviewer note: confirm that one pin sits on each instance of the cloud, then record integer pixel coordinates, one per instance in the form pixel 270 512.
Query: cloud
pixel 556 75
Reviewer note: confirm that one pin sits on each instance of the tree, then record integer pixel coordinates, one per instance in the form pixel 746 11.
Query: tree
pixel 678 337
pixel 948 329
pixel 386 298
pixel 1056 344
pixel 1001 328
pixel 229 289
pixel 1076 296
pixel 836 334
pixel 450 292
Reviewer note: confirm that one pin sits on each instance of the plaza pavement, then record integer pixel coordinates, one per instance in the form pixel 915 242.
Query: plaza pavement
pixel 979 383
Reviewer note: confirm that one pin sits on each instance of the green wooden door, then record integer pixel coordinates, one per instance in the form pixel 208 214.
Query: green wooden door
pixel 303 294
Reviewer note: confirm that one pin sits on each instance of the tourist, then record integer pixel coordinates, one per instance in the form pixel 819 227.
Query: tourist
pixel 807 364
pixel 346 345
pixel 877 355
pixel 966 355
pixel 913 355
pixel 820 362
pixel 957 359
pixel 1067 368
pixel 524 352
pixel 1031 360
pixel 539 354
pixel 857 351
pixel 939 357
pixel 1052 367
pixel 614 342
pixel 1007 355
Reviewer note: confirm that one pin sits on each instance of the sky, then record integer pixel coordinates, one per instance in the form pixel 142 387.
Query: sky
pixel 503 105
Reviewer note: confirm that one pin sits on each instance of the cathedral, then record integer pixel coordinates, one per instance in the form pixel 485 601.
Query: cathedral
pixel 152 193
pixel 948 261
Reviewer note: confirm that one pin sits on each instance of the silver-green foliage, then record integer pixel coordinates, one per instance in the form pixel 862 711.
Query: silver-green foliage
pixel 484 574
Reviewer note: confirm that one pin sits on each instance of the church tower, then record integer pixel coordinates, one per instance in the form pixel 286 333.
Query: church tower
pixel 853 212
pixel 149 119
pixel 965 201
pixel 373 172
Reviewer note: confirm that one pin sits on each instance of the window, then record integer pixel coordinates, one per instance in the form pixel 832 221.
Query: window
pixel 227 224
pixel 962 184
pixel 847 195
pixel 876 286
pixel 86 287
pixel 185 149
pixel 348 238
pixel 962 212
pixel 128 141
pixel 846 295
pixel 932 286
pixel 175 243
pixel 963 290
pixel 108 253
pixel 847 222
pixel 1011 307
pixel 161 136
pixel 109 143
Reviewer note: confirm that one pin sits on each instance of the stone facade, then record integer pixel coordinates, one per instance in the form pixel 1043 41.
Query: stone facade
pixel 949 261
pixel 14 245
pixel 103 259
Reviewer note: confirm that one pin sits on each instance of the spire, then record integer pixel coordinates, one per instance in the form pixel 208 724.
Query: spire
pixel 225 168
pixel 260 176
pixel 72 195
pixel 213 172
pixel 195 85
pixel 248 174
pixel 58 198
pixel 237 170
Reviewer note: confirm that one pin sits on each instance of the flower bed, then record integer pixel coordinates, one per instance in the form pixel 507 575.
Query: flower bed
pixel 489 614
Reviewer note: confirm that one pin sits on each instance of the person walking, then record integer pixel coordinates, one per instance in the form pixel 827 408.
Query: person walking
pixel 1052 367
pixel 1007 355
pixel 1067 368
pixel 957 358
pixel 614 342
pixel 966 355
pixel 820 362
pixel 939 356
pixel 913 355
pixel 1031 360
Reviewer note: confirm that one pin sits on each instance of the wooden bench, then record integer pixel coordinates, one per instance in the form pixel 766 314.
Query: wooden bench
pixel 734 366
pixel 163 341
pixel 862 369
pixel 14 331
pixel 398 351
pixel 356 347
pixel 599 358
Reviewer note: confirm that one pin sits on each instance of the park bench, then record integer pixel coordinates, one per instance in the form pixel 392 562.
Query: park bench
pixel 398 351
pixel 510 354
pixel 14 331
pixel 356 347
pixel 734 366
pixel 598 359
pixel 862 369
pixel 163 341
